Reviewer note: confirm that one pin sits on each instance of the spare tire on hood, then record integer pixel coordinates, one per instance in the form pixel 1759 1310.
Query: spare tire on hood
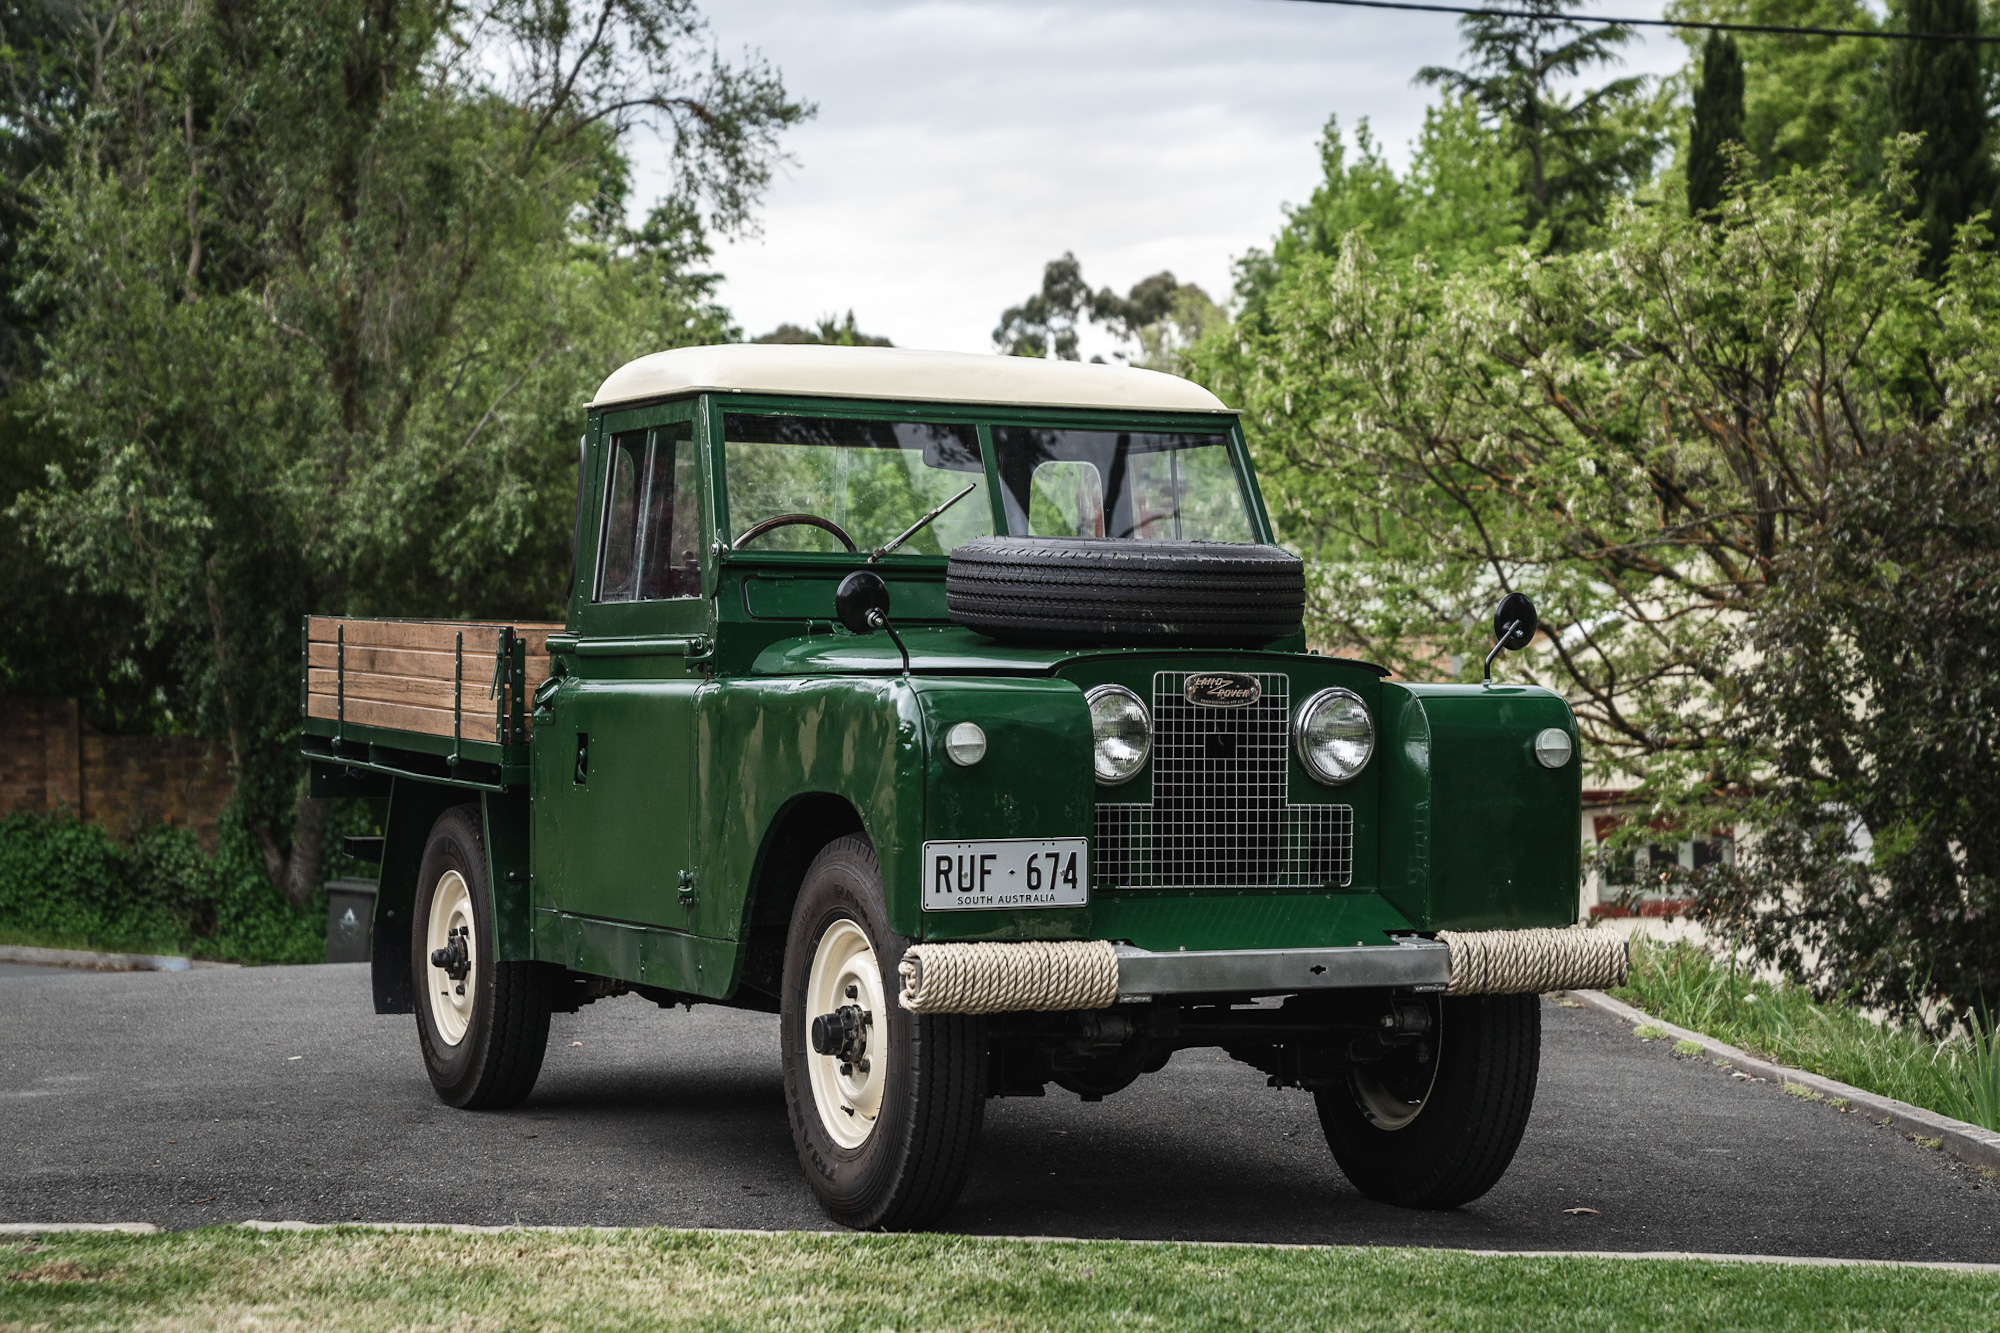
pixel 1084 590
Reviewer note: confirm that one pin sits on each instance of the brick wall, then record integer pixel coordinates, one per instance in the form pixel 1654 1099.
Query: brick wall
pixel 49 760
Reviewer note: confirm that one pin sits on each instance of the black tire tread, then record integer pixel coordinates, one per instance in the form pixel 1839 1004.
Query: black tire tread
pixel 1043 589
pixel 944 1104
pixel 1476 1122
pixel 516 1032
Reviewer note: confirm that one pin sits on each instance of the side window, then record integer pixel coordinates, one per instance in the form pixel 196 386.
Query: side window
pixel 651 546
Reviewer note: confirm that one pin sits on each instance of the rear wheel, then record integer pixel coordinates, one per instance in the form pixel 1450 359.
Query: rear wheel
pixel 1436 1122
pixel 483 1023
pixel 885 1105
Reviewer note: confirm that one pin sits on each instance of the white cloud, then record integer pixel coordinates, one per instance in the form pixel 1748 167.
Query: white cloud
pixel 960 144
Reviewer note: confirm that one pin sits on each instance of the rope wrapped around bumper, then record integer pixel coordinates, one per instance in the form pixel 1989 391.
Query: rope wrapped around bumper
pixel 993 978
pixel 1531 962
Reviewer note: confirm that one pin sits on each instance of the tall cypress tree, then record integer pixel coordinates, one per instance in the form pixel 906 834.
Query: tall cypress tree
pixel 1936 90
pixel 1718 120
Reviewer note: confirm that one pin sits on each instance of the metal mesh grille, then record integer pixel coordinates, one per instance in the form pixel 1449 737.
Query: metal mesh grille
pixel 1219 816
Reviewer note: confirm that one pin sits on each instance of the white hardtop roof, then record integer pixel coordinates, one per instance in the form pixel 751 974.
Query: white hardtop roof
pixel 900 373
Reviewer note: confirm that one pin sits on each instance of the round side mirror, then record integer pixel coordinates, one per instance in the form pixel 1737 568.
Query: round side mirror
pixel 1518 611
pixel 861 597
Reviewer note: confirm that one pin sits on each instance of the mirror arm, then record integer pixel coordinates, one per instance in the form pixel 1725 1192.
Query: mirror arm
pixel 878 620
pixel 1506 634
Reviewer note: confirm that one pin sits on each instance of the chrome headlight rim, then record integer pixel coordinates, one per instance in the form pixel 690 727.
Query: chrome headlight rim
pixel 1302 719
pixel 1090 699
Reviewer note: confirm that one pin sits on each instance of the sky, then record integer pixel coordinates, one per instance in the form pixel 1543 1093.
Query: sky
pixel 961 144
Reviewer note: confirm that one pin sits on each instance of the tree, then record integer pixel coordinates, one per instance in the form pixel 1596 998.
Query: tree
pixel 1938 90
pixel 1866 740
pixel 1578 153
pixel 1717 122
pixel 1162 314
pixel 1807 100
pixel 830 330
pixel 1046 323
pixel 332 283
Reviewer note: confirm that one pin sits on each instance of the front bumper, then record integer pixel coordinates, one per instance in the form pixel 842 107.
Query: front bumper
pixel 1412 962
pixel 994 978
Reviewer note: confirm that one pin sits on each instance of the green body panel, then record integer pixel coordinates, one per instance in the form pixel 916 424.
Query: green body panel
pixel 714 721
pixel 762 745
pixel 504 818
pixel 1480 836
pixel 624 843
pixel 1246 919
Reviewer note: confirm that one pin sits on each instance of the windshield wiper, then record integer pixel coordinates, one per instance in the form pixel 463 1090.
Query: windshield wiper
pixel 919 525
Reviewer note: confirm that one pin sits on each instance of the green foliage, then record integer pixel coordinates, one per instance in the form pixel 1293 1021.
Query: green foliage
pixel 1746 468
pixel 1939 90
pixel 331 284
pixel 1162 314
pixel 1717 122
pixel 1866 740
pixel 830 332
pixel 1577 153
pixel 66 884
pixel 1691 987
pixel 1807 101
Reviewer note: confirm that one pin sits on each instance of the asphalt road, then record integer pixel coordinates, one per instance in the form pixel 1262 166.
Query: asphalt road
pixel 219 1095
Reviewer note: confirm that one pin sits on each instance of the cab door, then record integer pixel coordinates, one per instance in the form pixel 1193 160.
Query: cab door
pixel 620 759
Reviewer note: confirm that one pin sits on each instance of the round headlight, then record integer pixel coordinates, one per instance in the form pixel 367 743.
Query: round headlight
pixel 1334 735
pixel 1552 747
pixel 965 744
pixel 1121 735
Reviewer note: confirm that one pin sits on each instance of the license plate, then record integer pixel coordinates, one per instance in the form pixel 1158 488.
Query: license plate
pixel 1009 872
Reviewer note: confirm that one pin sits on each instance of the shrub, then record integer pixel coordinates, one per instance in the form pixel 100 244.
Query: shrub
pixel 68 884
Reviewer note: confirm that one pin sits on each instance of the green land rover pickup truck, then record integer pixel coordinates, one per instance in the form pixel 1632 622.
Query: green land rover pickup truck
pixel 957 710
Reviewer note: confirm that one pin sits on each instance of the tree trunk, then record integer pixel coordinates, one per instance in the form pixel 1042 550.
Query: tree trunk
pixel 301 878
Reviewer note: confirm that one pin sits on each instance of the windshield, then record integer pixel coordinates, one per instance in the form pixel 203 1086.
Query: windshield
pixel 871 478
pixel 1120 484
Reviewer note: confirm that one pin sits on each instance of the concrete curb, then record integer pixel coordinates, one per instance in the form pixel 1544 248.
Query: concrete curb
pixel 53 1228
pixel 1968 1143
pixel 100 962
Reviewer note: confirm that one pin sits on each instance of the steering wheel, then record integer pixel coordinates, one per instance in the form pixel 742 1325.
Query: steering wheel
pixel 756 530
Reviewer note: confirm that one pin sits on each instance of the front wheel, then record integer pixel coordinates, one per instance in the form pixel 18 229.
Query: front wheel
pixel 886 1105
pixel 483 1023
pixel 1435 1123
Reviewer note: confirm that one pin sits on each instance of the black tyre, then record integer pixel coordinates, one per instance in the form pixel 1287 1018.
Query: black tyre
pixel 483 1024
pixel 1080 590
pixel 1436 1125
pixel 886 1116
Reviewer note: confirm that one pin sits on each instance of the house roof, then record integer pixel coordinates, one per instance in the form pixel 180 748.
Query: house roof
pixel 900 373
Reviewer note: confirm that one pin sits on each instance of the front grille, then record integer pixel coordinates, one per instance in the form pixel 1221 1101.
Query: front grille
pixel 1220 817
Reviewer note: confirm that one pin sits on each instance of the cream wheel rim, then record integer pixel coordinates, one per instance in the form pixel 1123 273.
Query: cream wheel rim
pixel 451 921
pixel 847 1093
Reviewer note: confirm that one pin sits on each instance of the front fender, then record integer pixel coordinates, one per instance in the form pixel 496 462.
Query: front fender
pixel 764 742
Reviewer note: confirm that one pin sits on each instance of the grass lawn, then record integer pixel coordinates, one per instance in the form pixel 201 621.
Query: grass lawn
pixel 228 1277
pixel 1688 985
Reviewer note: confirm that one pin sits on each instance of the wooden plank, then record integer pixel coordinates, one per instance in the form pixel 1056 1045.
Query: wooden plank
pixel 403 717
pixel 438 636
pixel 394 661
pixel 424 692
pixel 419 663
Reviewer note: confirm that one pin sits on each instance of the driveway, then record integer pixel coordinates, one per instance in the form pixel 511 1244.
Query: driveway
pixel 218 1095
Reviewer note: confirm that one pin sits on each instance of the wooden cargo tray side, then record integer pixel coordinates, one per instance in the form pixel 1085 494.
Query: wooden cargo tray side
pixel 453 679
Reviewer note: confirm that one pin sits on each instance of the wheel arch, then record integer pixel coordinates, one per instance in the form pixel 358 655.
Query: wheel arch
pixel 795 835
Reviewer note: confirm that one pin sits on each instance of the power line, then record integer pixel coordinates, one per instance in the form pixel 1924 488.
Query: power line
pixel 1879 34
